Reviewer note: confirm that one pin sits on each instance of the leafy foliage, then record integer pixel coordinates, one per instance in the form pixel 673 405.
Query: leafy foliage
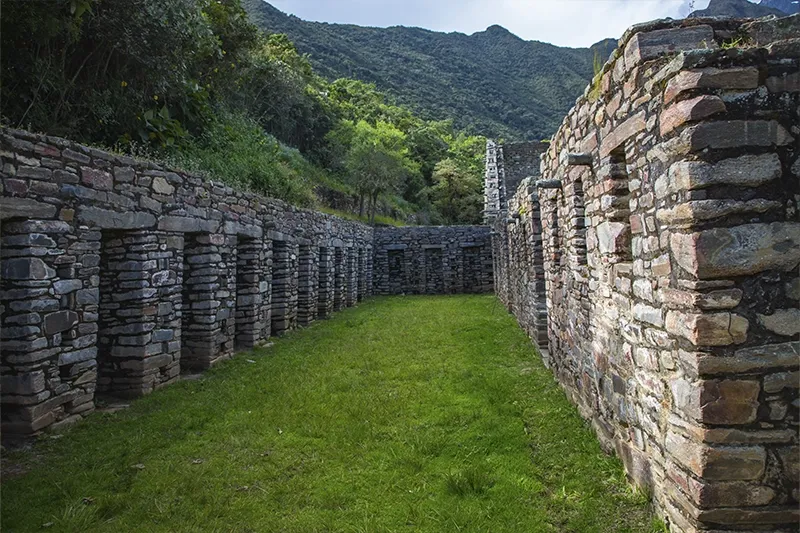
pixel 194 81
pixel 491 82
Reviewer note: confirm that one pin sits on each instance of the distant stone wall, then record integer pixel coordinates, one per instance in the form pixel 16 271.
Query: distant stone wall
pixel 118 274
pixel 506 166
pixel 433 260
pixel 659 249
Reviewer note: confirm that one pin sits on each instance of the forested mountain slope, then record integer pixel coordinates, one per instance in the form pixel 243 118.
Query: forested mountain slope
pixel 492 81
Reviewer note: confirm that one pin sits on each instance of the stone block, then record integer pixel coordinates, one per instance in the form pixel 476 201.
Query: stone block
pixel 787 83
pixel 711 78
pixel 746 171
pixel 613 237
pixel 717 463
pixel 685 111
pixel 782 321
pixel 739 250
pixel 24 207
pixel 97 179
pixel 774 383
pixel 162 186
pixel 616 137
pixel 708 329
pixel 644 46
pixel 722 134
pixel 26 268
pixel 27 383
pixel 78 356
pixel 59 321
pixel 106 219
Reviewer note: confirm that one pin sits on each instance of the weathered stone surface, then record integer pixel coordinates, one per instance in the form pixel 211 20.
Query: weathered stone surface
pixel 736 134
pixel 708 329
pixel 738 251
pixel 728 402
pixel 785 83
pixel 613 237
pixel 24 207
pixel 783 380
pixel 162 186
pixel 25 268
pixel 24 384
pixel 711 78
pixel 685 111
pixel 59 321
pixel 768 30
pixel 649 45
pixel 97 179
pixel 700 210
pixel 622 133
pixel 103 218
pixel 86 354
pixel 188 224
pixel 722 463
pixel 782 321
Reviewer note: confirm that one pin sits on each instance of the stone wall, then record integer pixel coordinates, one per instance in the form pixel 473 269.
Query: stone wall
pixel 506 166
pixel 663 238
pixel 118 274
pixel 433 260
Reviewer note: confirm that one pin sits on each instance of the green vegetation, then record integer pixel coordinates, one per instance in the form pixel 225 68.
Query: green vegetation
pixel 491 82
pixel 194 82
pixel 445 421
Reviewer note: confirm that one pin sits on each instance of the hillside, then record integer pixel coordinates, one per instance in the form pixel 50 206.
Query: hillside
pixel 739 9
pixel 492 82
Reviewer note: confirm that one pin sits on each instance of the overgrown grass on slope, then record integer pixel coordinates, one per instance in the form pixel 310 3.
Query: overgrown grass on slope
pixel 405 414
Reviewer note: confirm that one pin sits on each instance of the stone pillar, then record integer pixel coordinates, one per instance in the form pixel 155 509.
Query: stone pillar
pixel 327 280
pixel 308 283
pixel 138 349
pixel 48 313
pixel 249 297
pixel 265 288
pixel 339 298
pixel 370 271
pixel 284 286
pixel 209 292
pixel 351 291
pixel 362 274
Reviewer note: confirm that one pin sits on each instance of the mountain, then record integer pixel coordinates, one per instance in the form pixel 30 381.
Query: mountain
pixel 790 7
pixel 491 82
pixel 741 9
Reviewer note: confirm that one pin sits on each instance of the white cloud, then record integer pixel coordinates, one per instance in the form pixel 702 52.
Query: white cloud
pixel 561 22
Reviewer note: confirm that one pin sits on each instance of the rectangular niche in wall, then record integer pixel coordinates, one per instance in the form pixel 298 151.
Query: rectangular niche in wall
pixel 200 329
pixel 396 269
pixel 249 261
pixel 433 270
pixel 472 264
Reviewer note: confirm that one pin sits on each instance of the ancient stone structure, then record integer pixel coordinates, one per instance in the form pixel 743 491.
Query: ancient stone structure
pixel 117 274
pixel 433 260
pixel 506 166
pixel 663 237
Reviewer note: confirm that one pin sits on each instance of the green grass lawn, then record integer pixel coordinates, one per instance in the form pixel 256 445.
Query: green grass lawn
pixel 404 414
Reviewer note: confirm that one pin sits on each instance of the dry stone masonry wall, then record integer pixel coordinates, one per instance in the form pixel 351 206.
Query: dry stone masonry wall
pixel 118 274
pixel 433 260
pixel 661 242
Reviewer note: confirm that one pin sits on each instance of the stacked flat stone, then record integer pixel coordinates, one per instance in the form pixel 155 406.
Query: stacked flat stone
pixel 670 241
pixel 118 274
pixel 433 260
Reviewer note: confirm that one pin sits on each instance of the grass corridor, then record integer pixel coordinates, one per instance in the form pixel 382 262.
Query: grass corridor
pixel 404 414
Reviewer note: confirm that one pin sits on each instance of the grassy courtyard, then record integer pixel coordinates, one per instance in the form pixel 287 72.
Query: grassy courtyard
pixel 404 414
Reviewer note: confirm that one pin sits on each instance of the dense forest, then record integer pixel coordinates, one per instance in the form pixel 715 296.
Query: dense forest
pixel 492 82
pixel 195 84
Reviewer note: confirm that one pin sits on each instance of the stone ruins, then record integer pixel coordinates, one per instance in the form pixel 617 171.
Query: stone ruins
pixel 650 250
pixel 118 275
pixel 653 259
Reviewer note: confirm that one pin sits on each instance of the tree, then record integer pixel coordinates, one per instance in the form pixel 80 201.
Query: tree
pixel 376 160
pixel 456 193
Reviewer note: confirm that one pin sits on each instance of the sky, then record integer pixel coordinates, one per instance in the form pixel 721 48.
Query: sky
pixel 575 23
